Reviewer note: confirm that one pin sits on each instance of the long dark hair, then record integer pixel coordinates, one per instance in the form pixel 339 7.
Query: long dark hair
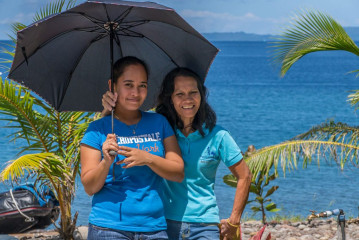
pixel 165 107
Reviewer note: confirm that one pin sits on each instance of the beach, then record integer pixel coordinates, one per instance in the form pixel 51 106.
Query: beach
pixel 323 229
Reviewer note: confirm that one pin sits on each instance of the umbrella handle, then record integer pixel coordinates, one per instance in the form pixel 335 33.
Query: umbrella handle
pixel 112 153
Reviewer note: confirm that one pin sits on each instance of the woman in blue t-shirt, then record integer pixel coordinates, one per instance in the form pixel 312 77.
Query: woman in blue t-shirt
pixel 190 206
pixel 126 188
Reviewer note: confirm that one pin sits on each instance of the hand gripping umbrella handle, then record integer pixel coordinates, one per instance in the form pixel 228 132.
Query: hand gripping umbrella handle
pixel 112 152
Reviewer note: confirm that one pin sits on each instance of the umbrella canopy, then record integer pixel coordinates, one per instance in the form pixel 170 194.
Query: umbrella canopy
pixel 66 57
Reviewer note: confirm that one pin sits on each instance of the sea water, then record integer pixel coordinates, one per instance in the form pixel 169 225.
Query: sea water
pixel 260 108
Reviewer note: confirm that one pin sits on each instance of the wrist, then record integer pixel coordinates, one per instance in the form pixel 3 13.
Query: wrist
pixel 149 159
pixel 232 223
pixel 106 163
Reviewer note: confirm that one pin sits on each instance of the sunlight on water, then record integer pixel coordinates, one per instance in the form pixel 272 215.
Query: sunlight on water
pixel 259 108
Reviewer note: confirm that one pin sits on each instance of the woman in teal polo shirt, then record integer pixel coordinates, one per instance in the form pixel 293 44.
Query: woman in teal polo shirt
pixel 190 206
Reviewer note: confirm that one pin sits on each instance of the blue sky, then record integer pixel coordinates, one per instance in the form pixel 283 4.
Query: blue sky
pixel 251 16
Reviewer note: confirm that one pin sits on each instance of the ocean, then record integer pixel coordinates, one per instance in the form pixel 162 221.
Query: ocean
pixel 260 108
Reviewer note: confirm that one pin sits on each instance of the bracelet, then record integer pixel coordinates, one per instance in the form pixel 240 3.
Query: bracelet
pixel 232 225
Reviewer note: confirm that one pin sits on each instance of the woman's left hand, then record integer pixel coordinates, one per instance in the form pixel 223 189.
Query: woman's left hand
pixel 229 232
pixel 134 157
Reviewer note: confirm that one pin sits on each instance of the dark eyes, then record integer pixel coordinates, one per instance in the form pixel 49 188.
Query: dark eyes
pixel 190 93
pixel 132 85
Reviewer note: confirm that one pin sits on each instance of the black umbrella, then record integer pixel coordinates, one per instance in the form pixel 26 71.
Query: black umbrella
pixel 67 58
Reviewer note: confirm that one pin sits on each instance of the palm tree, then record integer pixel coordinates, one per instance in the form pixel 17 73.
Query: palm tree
pixel 310 32
pixel 51 138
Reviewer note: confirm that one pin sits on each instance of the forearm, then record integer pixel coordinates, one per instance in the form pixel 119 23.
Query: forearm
pixel 240 199
pixel 105 112
pixel 167 168
pixel 94 179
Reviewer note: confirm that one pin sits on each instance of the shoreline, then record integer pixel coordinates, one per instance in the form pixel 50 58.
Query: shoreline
pixel 321 229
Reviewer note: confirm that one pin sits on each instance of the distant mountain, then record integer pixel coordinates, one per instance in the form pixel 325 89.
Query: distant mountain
pixel 353 32
pixel 237 36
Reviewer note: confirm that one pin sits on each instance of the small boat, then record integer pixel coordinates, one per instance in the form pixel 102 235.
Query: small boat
pixel 25 208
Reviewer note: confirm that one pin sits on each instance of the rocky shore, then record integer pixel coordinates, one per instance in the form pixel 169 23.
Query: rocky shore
pixel 317 229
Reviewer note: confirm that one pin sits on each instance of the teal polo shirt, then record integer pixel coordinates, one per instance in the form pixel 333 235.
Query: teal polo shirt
pixel 193 199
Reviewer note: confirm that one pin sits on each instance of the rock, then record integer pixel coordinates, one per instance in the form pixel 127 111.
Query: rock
pixel 81 233
pixel 317 230
pixel 296 224
pixel 301 227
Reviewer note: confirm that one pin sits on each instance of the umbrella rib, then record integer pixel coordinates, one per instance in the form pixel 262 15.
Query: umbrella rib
pixel 108 16
pixel 92 19
pixel 117 40
pixel 40 46
pixel 137 23
pixel 125 13
pixel 134 34
pixel 91 29
pixel 162 50
pixel 97 38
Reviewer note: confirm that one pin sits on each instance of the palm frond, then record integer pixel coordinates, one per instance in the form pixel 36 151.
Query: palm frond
pixel 18 105
pixel 332 131
pixel 355 71
pixel 287 155
pixel 354 98
pixel 310 32
pixel 31 163
pixel 48 168
pixel 53 8
pixel 15 27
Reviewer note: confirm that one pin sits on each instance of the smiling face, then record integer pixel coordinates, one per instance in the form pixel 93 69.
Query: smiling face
pixel 186 98
pixel 131 88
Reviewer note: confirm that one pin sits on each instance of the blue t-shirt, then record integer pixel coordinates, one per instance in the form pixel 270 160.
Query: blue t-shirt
pixel 130 198
pixel 193 200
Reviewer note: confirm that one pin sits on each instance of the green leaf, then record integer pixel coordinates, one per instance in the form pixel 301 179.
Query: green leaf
pixel 254 189
pixel 256 209
pixel 230 180
pixel 271 191
pixel 274 210
pixel 270 178
pixel 271 206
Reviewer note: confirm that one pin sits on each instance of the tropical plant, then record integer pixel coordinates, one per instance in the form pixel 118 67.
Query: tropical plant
pixel 263 202
pixel 258 185
pixel 334 141
pixel 311 32
pixel 50 139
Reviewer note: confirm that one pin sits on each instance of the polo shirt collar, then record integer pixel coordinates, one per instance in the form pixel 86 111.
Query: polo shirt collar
pixel 192 136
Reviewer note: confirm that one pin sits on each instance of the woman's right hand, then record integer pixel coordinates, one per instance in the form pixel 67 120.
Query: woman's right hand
pixel 108 145
pixel 108 102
